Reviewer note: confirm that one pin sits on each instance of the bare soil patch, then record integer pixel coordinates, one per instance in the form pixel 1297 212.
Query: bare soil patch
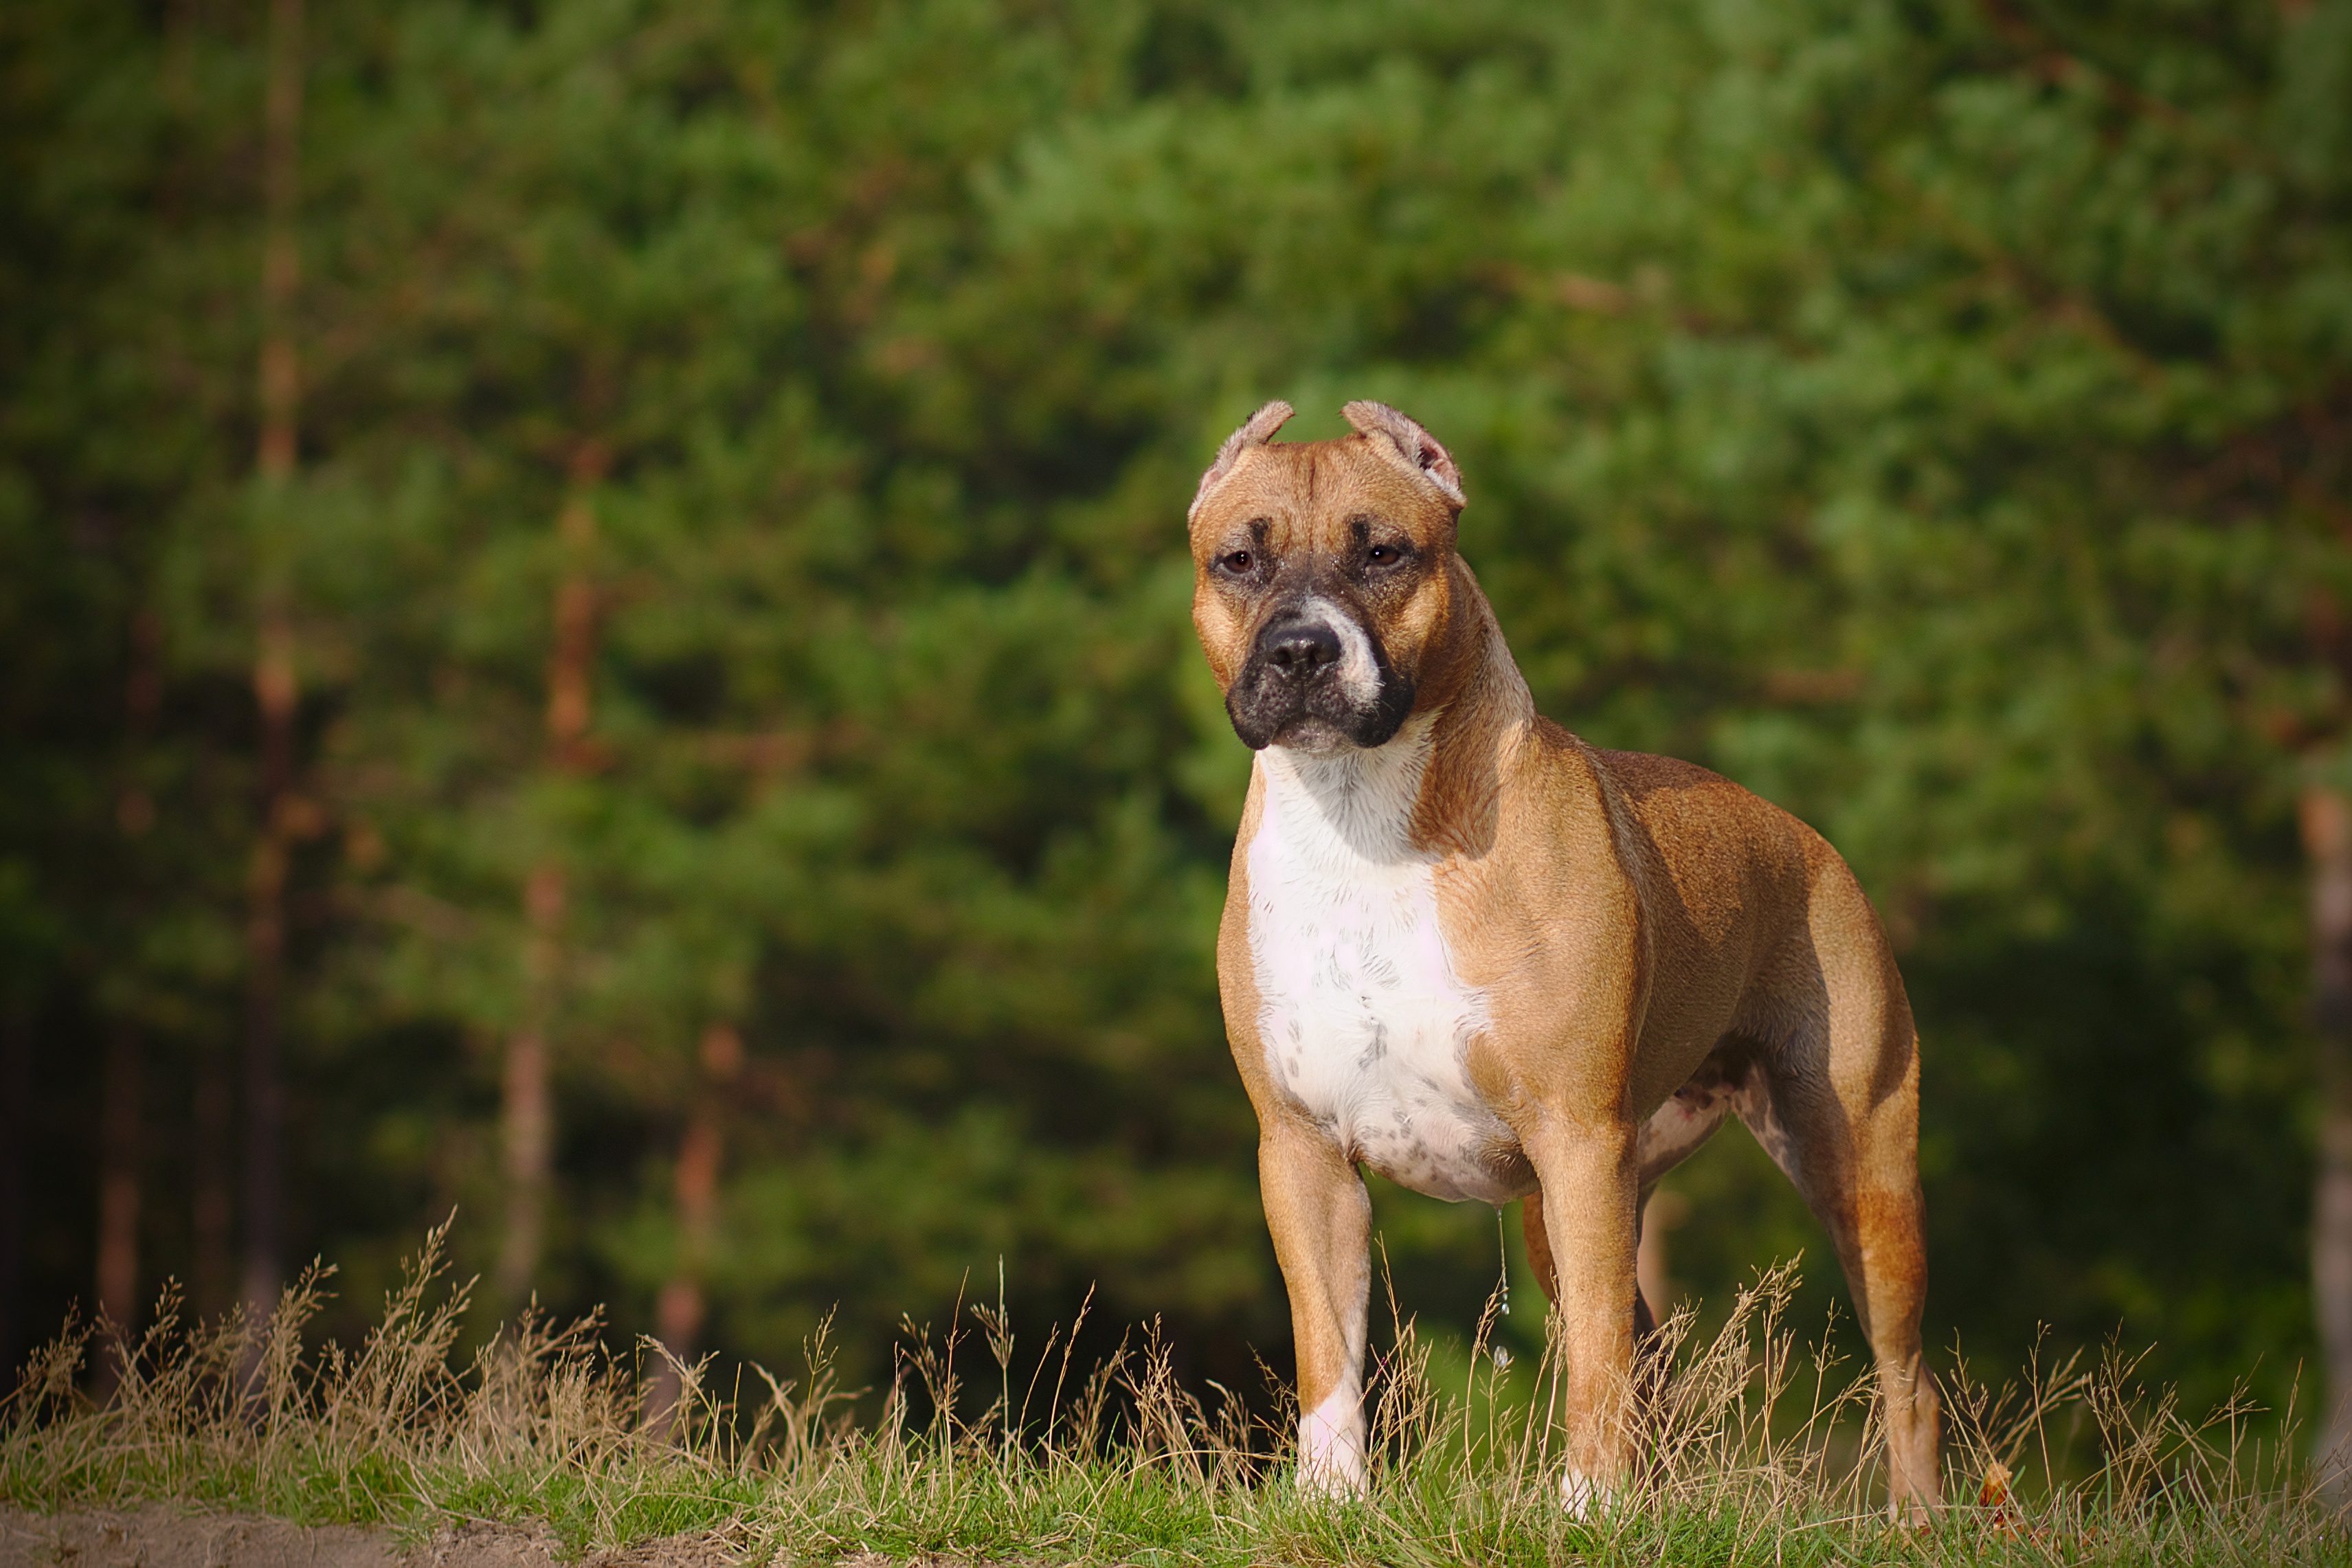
pixel 161 1536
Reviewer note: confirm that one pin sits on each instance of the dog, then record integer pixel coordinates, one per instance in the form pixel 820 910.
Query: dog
pixel 1491 962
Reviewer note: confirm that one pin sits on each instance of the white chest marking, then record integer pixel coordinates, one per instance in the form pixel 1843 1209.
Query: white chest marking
pixel 1363 1019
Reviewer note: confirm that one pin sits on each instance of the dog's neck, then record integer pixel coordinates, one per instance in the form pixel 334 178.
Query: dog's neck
pixel 1483 727
pixel 1490 701
pixel 1363 798
pixel 1429 790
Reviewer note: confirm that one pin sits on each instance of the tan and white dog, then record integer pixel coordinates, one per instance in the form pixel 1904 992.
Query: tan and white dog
pixel 1491 962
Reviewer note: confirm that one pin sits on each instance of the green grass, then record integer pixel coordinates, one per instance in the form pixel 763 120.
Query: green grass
pixel 1756 1452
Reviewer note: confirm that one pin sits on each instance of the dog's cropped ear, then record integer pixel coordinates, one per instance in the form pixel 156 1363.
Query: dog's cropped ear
pixel 1398 438
pixel 1256 431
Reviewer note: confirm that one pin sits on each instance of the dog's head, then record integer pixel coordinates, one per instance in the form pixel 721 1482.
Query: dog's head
pixel 1323 583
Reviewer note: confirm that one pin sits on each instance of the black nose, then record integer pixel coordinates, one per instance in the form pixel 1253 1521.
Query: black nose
pixel 1302 649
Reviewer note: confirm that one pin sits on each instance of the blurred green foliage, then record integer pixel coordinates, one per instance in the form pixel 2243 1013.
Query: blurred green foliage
pixel 1933 416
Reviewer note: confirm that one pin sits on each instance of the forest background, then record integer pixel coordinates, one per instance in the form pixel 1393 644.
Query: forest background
pixel 595 621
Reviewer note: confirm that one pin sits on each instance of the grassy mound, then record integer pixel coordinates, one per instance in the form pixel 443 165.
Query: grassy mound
pixel 1756 1452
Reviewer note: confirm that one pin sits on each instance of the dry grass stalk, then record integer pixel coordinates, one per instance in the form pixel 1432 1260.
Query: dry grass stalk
pixel 1755 1449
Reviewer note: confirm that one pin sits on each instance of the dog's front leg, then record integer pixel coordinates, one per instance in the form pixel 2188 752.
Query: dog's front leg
pixel 1590 1184
pixel 1321 1219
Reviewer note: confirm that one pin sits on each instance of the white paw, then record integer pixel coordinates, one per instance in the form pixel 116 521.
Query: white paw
pixel 1331 1450
pixel 1581 1495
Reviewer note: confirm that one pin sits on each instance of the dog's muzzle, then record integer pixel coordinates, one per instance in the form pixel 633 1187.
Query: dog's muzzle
pixel 1317 679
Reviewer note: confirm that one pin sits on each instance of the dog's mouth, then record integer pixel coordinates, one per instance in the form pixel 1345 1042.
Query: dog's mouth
pixel 1317 680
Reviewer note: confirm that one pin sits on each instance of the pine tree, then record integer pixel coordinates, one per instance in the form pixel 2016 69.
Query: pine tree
pixel 733 558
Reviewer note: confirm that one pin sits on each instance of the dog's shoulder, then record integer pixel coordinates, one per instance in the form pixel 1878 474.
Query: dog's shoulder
pixel 1632 780
pixel 1635 777
pixel 1688 810
pixel 1648 784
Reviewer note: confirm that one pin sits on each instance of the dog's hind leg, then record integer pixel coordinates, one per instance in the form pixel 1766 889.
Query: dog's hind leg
pixel 1836 1104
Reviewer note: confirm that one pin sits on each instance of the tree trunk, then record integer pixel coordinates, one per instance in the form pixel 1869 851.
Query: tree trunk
pixel 571 660
pixel 121 1138
pixel 678 1312
pixel 276 692
pixel 15 1129
pixel 528 1115
pixel 117 1197
pixel 2326 822
pixel 210 1210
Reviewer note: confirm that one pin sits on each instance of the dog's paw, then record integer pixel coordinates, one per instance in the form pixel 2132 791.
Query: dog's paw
pixel 1581 1494
pixel 1331 1454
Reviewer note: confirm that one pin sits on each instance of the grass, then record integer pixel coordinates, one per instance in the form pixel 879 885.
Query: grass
pixel 1757 1452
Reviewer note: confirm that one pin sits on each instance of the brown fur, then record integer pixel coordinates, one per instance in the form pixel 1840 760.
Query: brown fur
pixel 1658 948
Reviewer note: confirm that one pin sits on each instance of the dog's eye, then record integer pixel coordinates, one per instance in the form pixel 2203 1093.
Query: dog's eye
pixel 1239 561
pixel 1384 554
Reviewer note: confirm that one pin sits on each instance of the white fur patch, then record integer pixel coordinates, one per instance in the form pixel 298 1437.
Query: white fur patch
pixel 1581 1495
pixel 1331 1445
pixel 1358 673
pixel 1363 1020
